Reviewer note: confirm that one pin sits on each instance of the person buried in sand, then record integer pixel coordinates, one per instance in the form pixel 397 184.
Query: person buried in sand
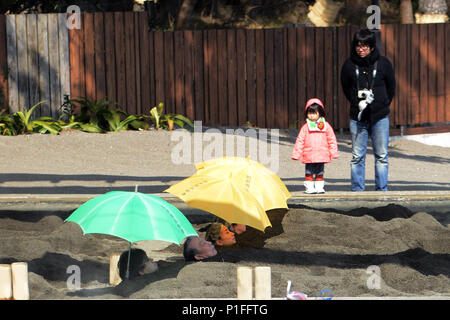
pixel 140 264
pixel 196 249
pixel 220 235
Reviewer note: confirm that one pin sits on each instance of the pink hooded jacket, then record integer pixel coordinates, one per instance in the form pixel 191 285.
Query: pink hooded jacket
pixel 315 146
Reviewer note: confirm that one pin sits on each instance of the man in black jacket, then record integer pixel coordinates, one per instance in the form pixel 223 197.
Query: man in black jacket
pixel 368 82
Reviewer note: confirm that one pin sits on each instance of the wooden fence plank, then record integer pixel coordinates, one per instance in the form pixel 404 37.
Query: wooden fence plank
pixel 110 57
pixel 301 75
pixel 440 69
pixel 130 62
pixel 278 85
pixel 251 76
pixel 137 59
pixel 222 76
pixel 22 57
pixel 169 70
pixel 64 56
pixel 179 72
pixel 414 106
pixel 159 67
pixel 145 74
pixel 33 60
pixel 200 89
pixel 285 104
pixel 401 76
pixel 119 41
pixel 423 73
pixel 319 72
pixel 4 95
pixel 44 65
pixel 310 64
pixel 189 74
pixel 207 54
pixel 447 72
pixel 151 71
pixel 13 76
pixel 53 54
pixel 231 79
pixel 89 55
pixel 390 54
pixel 99 56
pixel 260 79
pixel 432 73
pixel 270 89
pixel 241 60
pixel 292 75
pixel 343 53
pixel 329 73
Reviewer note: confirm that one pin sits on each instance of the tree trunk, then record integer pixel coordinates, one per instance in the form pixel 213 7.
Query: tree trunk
pixel 184 15
pixel 406 12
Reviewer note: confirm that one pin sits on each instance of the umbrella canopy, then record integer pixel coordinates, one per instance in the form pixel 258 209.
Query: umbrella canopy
pixel 224 197
pixel 133 216
pixel 262 183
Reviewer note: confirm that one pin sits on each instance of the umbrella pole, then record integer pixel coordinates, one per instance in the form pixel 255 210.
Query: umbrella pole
pixel 128 264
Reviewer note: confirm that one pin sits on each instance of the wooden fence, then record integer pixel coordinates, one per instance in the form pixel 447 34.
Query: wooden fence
pixel 38 61
pixel 229 77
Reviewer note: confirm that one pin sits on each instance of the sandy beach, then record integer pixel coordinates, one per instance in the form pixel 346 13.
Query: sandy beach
pixel 315 249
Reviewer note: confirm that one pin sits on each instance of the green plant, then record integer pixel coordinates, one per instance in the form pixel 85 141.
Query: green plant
pixel 167 121
pixel 116 124
pixel 97 116
pixel 24 124
pixel 8 126
pixel 93 114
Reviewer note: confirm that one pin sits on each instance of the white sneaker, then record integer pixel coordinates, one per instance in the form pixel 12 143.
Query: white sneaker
pixel 318 185
pixel 309 187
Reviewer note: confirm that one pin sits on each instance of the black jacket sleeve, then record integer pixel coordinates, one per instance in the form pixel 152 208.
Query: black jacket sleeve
pixel 348 84
pixel 389 77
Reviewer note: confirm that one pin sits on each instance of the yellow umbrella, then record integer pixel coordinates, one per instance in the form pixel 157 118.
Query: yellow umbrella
pixel 262 183
pixel 223 197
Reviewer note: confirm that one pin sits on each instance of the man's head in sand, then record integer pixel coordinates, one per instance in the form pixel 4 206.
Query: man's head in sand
pixel 196 248
pixel 220 235
pixel 140 264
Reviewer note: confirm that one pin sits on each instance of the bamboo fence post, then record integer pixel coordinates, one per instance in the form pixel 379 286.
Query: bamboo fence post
pixel 244 283
pixel 114 277
pixel 19 272
pixel 263 284
pixel 5 282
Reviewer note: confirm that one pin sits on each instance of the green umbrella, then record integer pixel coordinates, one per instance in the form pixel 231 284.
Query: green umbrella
pixel 133 216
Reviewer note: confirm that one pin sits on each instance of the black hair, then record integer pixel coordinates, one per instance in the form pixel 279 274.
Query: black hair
pixel 365 36
pixel 189 253
pixel 313 108
pixel 138 259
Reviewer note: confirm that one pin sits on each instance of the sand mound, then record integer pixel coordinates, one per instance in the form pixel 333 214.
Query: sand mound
pixel 314 249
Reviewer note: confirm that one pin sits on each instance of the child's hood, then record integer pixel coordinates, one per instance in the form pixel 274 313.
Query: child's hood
pixel 312 101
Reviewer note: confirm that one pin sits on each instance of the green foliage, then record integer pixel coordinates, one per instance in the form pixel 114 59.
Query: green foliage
pixel 93 116
pixel 8 126
pixel 167 121
pixel 97 116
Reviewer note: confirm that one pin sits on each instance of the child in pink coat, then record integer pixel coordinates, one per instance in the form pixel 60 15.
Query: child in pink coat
pixel 315 145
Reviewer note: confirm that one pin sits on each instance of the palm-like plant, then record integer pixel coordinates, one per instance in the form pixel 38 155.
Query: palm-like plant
pixel 24 124
pixel 167 121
